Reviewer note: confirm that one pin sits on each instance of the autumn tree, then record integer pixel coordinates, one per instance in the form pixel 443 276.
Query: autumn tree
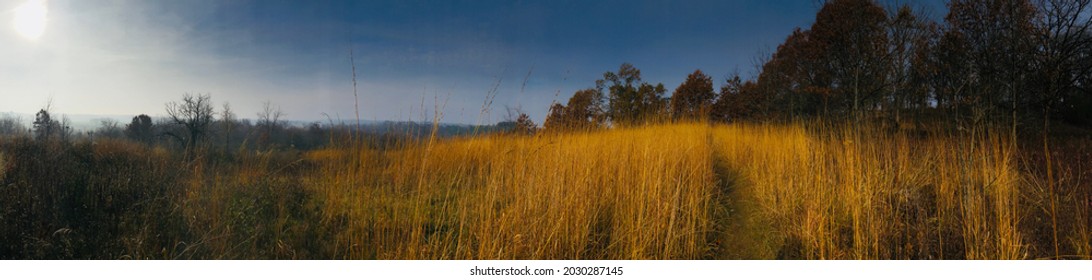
pixel 948 81
pixel 922 93
pixel 583 111
pixel 910 36
pixel 851 42
pixel 855 58
pixel 693 98
pixel 737 100
pixel 791 81
pixel 996 38
pixel 555 118
pixel 632 101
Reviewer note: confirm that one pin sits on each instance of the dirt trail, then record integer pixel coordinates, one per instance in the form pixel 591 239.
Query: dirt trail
pixel 740 232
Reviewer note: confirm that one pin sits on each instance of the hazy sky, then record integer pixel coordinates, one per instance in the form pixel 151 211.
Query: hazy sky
pixel 124 57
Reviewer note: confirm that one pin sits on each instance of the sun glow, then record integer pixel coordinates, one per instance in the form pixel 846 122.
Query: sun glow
pixel 30 19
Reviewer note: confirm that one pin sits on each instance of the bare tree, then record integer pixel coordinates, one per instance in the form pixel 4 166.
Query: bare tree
pixel 511 113
pixel 193 115
pixel 1065 46
pixel 11 125
pixel 108 128
pixel 227 124
pixel 996 42
pixel 268 121
pixel 908 34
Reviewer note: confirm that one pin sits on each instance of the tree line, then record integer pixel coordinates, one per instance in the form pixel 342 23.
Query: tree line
pixel 192 123
pixel 989 62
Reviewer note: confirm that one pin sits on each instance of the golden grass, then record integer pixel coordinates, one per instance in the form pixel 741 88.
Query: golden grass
pixel 625 194
pixel 861 194
pixel 681 191
pixel 673 191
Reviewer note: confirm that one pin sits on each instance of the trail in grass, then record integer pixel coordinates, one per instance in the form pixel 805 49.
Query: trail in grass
pixel 740 232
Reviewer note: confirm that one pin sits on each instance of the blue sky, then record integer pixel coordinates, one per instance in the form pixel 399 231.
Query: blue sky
pixel 123 57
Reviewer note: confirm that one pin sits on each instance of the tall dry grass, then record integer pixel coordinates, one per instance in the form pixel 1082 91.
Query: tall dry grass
pixel 684 191
pixel 859 193
pixel 622 194
pixel 672 191
pixel 251 206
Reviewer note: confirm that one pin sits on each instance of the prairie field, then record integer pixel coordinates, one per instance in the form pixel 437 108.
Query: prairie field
pixel 669 191
pixel 810 130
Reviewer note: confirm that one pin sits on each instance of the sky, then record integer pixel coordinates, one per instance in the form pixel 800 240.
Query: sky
pixel 412 58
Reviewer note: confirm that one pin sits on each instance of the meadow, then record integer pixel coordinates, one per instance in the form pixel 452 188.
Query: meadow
pixel 668 191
